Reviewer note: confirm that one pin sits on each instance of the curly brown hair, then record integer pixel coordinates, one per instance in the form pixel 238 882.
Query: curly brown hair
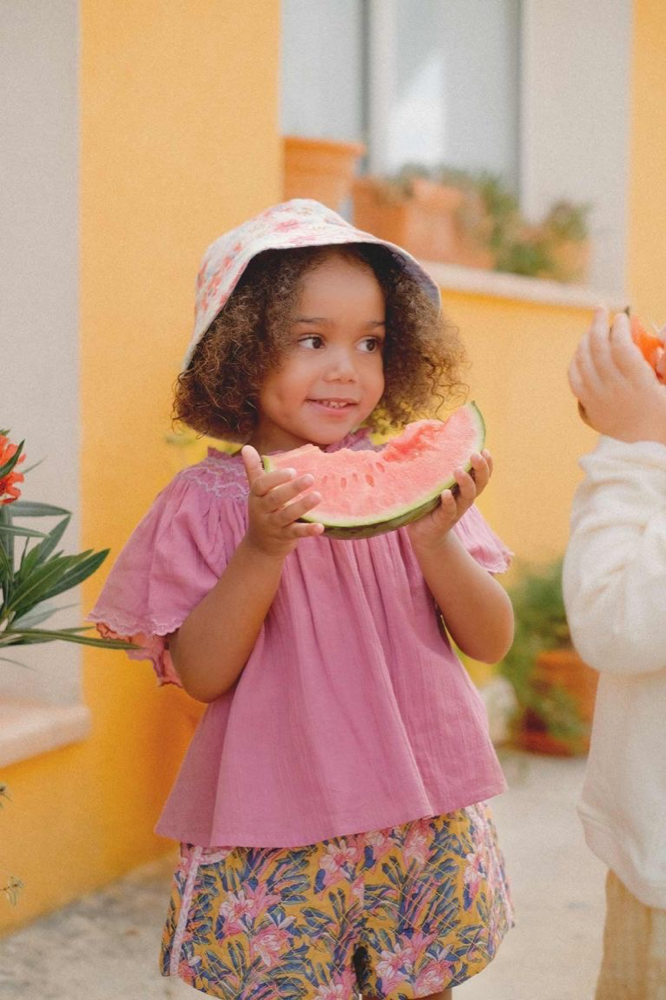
pixel 218 393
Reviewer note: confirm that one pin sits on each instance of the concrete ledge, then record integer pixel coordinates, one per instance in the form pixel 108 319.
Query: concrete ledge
pixel 502 285
pixel 29 728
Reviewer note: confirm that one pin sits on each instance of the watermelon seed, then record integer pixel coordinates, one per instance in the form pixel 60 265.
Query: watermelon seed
pixel 343 483
pixel 370 480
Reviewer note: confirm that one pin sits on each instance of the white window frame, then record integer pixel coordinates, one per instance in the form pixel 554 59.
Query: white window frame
pixel 574 95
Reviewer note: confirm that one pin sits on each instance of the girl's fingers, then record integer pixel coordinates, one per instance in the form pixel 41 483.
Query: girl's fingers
pixel 482 467
pixel 284 493
pixel 253 465
pixel 447 511
pixel 293 511
pixel 466 488
pixel 264 483
pixel 306 529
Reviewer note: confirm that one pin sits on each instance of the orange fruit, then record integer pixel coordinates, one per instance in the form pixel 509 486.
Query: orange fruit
pixel 648 344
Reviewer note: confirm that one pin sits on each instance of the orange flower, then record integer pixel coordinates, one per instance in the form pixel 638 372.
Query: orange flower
pixel 8 488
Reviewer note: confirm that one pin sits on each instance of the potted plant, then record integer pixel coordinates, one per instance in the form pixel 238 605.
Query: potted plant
pixel 31 578
pixel 555 690
pixel 565 233
pixel 319 168
pixel 435 214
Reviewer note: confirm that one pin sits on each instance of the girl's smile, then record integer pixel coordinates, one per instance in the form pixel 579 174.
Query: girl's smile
pixel 332 376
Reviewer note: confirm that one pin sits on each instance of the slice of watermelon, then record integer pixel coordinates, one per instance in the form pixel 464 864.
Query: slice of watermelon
pixel 365 493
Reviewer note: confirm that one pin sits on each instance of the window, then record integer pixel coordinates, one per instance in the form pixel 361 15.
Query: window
pixel 427 81
pixel 537 92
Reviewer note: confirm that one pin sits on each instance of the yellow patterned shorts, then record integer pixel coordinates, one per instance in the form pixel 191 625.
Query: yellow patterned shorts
pixel 395 914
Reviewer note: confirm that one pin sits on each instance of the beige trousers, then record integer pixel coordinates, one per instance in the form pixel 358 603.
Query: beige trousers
pixel 634 960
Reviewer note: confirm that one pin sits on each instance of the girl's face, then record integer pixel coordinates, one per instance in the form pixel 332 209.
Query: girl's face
pixel 332 375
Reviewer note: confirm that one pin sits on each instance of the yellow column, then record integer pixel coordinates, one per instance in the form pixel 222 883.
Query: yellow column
pixel 647 193
pixel 179 142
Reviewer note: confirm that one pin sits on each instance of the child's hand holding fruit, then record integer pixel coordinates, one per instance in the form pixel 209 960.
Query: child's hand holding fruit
pixel 617 375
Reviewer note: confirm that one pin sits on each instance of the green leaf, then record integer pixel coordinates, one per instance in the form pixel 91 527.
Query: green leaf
pixel 12 529
pixel 72 635
pixel 36 588
pixel 39 613
pixel 5 568
pixel 41 552
pixel 9 638
pixel 28 508
pixel 7 540
pixel 84 566
pixel 31 467
pixel 58 574
pixel 9 465
pixel 17 663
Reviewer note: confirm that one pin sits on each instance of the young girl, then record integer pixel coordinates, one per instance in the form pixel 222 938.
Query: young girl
pixel 615 593
pixel 331 806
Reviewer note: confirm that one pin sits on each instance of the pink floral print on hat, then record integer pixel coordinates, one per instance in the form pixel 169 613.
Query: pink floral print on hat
pixel 300 222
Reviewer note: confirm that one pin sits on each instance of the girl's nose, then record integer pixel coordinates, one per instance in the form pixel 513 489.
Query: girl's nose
pixel 341 367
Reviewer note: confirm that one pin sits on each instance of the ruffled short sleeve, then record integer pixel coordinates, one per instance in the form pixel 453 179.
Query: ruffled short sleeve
pixel 482 543
pixel 172 560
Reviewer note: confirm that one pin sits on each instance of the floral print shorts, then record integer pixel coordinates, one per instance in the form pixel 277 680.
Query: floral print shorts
pixel 394 914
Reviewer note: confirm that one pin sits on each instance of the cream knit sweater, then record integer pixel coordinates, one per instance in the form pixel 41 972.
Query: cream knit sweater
pixel 615 595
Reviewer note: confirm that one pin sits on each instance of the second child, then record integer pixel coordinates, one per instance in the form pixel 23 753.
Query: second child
pixel 615 595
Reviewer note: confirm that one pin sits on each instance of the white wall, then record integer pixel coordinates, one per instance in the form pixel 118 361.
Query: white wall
pixel 575 119
pixel 39 372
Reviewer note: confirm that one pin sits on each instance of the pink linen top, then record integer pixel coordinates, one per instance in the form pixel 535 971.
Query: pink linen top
pixel 352 713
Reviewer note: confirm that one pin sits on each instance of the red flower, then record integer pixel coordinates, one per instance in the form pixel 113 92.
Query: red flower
pixel 8 489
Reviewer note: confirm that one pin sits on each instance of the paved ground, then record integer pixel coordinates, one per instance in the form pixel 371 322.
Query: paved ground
pixel 104 947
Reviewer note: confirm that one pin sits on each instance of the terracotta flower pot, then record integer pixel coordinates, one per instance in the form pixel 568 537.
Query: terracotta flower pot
pixel 571 260
pixel 428 221
pixel 562 669
pixel 319 169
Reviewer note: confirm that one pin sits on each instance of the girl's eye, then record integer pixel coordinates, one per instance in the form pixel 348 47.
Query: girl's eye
pixel 371 344
pixel 313 341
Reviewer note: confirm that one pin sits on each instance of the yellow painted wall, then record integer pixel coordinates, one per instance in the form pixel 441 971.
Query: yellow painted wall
pixel 647 201
pixel 179 142
pixel 518 354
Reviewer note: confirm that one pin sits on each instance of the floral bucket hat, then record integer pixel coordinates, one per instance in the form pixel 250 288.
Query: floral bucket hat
pixel 300 222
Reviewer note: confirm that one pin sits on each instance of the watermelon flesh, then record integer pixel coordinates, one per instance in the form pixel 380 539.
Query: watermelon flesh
pixel 365 493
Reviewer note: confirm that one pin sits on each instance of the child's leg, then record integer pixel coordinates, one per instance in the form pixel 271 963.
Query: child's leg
pixel 634 960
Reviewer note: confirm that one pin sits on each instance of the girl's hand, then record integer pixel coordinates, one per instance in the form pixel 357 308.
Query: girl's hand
pixel 276 502
pixel 432 528
pixel 616 386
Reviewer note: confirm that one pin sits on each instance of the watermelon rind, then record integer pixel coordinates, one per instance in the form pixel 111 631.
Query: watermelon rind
pixel 425 504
